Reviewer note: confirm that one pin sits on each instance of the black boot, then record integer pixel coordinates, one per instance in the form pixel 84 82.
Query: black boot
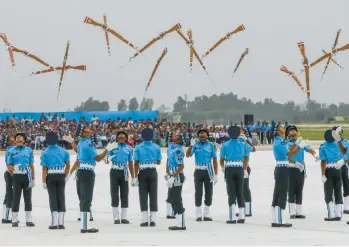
pixel 207 219
pixel 241 221
pixel 125 221
pixel 30 224
pixel 3 221
pixel 170 217
pixel 92 230
pixel 53 227
pixel 199 219
pixel 116 222
pixel 14 224
pixel 281 225
pixel 293 216
pixel 144 224
pixel 152 224
pixel 177 228
pixel 231 221
pixel 61 227
pixel 300 217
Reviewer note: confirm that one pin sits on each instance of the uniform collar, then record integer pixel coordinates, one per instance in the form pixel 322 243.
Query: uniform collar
pixel 148 142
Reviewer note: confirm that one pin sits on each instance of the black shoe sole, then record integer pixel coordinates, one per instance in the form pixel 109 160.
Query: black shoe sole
pixel 53 227
pixel 170 217
pixel 231 221
pixel 89 231
pixel 300 217
pixel 176 228
pixel 281 225
pixel 207 219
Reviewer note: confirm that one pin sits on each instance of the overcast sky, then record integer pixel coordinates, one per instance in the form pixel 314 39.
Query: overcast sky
pixel 273 28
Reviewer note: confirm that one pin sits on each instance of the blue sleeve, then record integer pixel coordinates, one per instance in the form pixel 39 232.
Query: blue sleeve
pixel 307 148
pixel 136 154
pixel 214 152
pixel 43 161
pixel 31 157
pixel 10 158
pixel 129 158
pixel 222 154
pixel 322 154
pixel 159 156
pixel 67 157
pixel 7 157
pixel 247 150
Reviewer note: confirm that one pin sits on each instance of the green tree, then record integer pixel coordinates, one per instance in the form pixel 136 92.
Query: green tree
pixel 122 106
pixel 133 104
pixel 92 105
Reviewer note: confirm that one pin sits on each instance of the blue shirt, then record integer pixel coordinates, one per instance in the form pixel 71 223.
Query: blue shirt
pixel 122 155
pixel 280 149
pixel 169 148
pixel 147 153
pixel 86 151
pixel 345 144
pixel 54 156
pixel 235 150
pixel 204 152
pixel 330 152
pixel 175 156
pixel 299 156
pixel 7 153
pixel 22 156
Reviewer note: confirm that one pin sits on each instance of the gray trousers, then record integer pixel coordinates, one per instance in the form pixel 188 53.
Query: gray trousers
pixel 175 197
pixel 345 180
pixel 148 186
pixel 234 178
pixel 20 184
pixel 56 192
pixel 246 190
pixel 9 192
pixel 118 183
pixel 281 176
pixel 333 183
pixel 295 187
pixel 201 178
pixel 86 180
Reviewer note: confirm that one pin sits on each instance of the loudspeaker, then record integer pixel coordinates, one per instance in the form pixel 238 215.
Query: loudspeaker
pixel 248 119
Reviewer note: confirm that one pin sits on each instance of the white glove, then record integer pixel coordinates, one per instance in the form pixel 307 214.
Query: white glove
pixel 303 144
pixel 67 177
pixel 32 184
pixel 339 164
pixel 44 185
pixel 336 136
pixel 299 140
pixel 193 141
pixel 75 177
pixel 68 139
pixel 245 174
pixel 214 179
pixel 243 137
pixel 166 177
pixel 134 182
pixel 316 157
pixel 299 166
pixel 111 146
pixel 324 179
pixel 170 182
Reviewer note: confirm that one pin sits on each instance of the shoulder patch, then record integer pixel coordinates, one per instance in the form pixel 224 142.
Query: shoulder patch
pixel 180 158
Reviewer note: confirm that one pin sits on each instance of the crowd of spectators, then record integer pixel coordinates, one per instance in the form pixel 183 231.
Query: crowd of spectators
pixel 106 130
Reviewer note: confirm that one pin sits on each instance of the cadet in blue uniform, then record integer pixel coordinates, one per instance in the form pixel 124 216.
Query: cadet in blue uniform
pixel 344 174
pixel 88 157
pixel 121 159
pixel 297 173
pixel 7 214
pixel 282 154
pixel 55 162
pixel 331 155
pixel 147 156
pixel 175 166
pixel 21 167
pixel 74 169
pixel 247 137
pixel 234 161
pixel 205 173
pixel 170 212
